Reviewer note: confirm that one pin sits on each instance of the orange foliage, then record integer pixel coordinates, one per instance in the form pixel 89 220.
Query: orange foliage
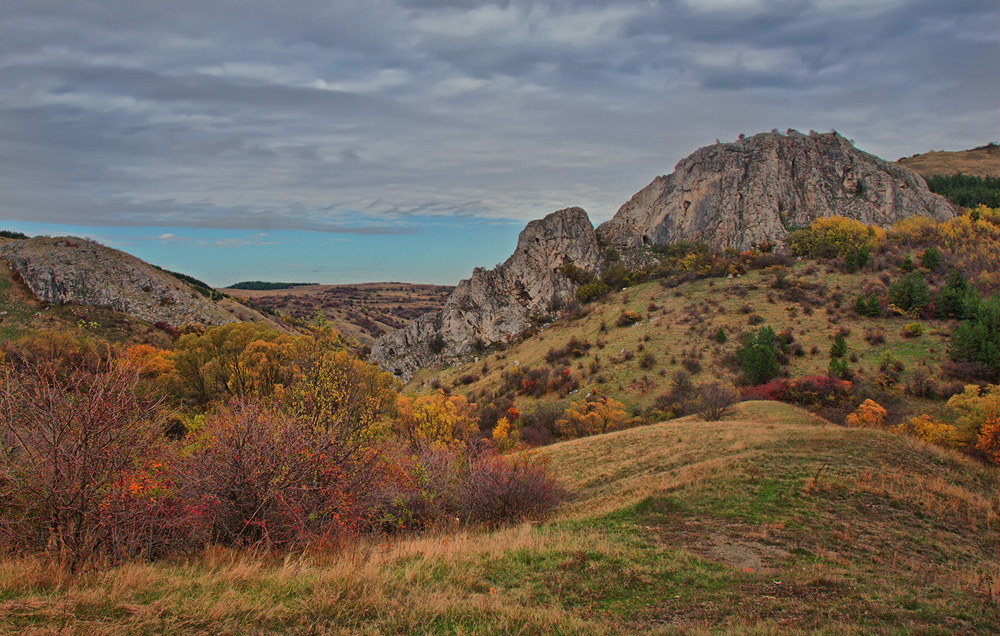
pixel 989 437
pixel 868 415
pixel 150 362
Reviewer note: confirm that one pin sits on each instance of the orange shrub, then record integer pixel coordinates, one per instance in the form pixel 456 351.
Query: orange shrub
pixel 989 437
pixel 869 415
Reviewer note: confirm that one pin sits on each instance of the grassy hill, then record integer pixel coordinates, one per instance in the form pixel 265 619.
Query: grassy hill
pixel 679 328
pixel 980 162
pixel 770 522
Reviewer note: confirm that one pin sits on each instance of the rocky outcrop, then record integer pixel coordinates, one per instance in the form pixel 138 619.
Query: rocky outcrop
pixel 755 190
pixel 73 270
pixel 496 305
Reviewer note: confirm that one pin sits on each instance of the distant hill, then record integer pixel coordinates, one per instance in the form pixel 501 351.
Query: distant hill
pixel 981 162
pixel 360 312
pixel 260 285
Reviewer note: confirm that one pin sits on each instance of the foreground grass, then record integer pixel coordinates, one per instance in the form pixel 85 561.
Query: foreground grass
pixel 771 522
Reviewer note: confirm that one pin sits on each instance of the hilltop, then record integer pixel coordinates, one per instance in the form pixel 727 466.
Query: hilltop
pixel 981 162
pixel 80 282
pixel 772 521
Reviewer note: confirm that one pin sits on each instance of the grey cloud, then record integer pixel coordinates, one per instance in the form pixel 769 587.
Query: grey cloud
pixel 344 115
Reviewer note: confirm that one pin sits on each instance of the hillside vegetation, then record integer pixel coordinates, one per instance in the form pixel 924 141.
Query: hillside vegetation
pixel 771 521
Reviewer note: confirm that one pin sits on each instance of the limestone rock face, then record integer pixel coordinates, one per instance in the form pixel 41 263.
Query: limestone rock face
pixel 64 270
pixel 755 190
pixel 495 305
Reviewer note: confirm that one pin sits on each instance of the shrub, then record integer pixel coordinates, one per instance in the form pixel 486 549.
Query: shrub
pixel 75 434
pixel 868 415
pixel 833 236
pixel 716 399
pixel 720 336
pixel 275 481
pixel 757 356
pixel 592 291
pixel 912 330
pixel 628 318
pixel 929 430
pixel 988 439
pixel 591 417
pixel 647 360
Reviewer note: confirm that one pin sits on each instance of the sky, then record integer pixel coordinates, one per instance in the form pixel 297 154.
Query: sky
pixel 412 139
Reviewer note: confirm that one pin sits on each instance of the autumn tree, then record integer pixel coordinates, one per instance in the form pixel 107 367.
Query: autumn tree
pixel 239 359
pixel 343 394
pixel 591 417
pixel 434 419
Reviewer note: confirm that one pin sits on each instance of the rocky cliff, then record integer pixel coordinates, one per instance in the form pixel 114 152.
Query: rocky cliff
pixel 496 305
pixel 755 190
pixel 73 270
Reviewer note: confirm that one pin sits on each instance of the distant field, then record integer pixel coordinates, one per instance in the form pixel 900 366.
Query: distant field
pixel 770 522
pixel 361 312
pixel 981 162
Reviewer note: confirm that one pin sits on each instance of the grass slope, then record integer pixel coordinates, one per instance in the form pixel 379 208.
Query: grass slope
pixel 684 320
pixel 980 162
pixel 772 522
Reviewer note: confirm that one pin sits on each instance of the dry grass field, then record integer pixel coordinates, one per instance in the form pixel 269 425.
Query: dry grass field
pixel 980 162
pixel 769 522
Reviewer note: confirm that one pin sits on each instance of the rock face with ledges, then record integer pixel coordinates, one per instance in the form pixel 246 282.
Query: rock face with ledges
pixel 65 270
pixel 495 305
pixel 755 190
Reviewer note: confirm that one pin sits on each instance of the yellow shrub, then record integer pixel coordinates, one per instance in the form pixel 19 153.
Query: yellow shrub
pixel 837 236
pixel 929 430
pixel 869 415
pixel 504 435
pixel 591 418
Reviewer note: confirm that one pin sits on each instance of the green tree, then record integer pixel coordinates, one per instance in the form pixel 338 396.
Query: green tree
pixel 977 340
pixel 757 356
pixel 910 292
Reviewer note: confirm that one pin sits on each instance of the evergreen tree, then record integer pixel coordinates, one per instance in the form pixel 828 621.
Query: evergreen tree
pixel 757 356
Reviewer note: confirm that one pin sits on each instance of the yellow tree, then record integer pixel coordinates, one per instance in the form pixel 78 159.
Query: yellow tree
pixel 591 417
pixel 434 419
pixel 344 395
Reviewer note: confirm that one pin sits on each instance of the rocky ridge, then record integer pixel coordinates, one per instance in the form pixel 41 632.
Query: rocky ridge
pixel 63 270
pixel 758 188
pixel 496 305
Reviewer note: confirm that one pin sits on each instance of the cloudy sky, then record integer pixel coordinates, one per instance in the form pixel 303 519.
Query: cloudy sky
pixel 401 128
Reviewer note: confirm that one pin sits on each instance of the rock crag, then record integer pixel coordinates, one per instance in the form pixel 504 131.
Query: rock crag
pixel 757 189
pixel 63 270
pixel 496 305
